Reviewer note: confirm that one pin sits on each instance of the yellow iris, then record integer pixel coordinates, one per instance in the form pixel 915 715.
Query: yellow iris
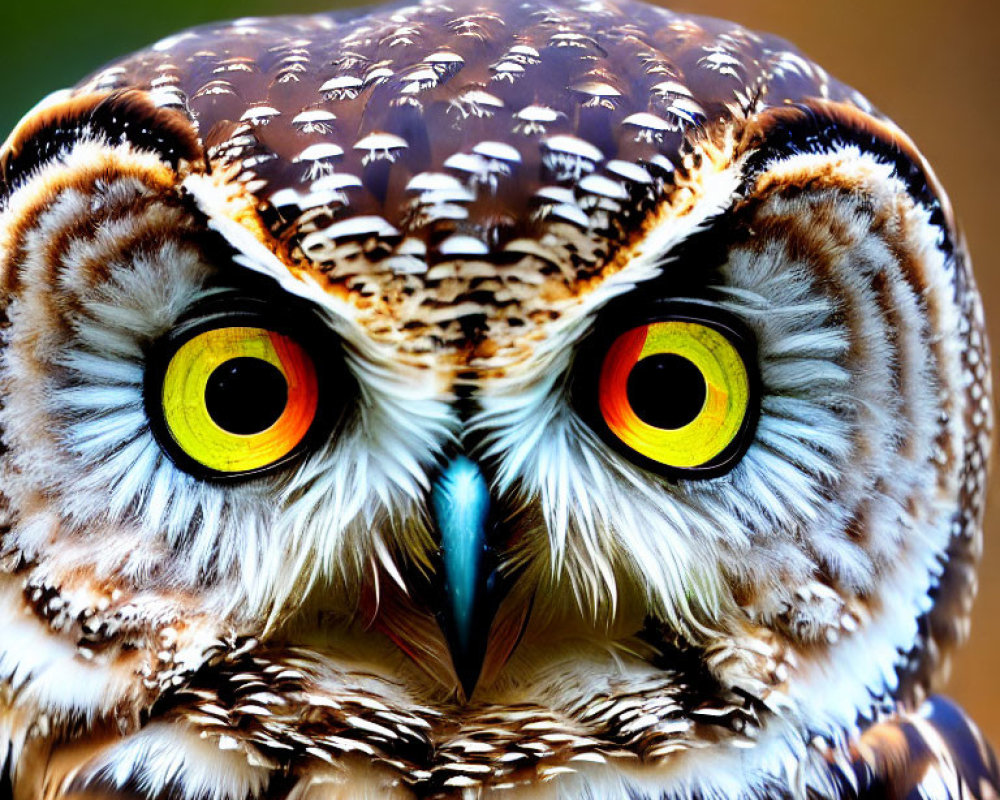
pixel 727 392
pixel 186 411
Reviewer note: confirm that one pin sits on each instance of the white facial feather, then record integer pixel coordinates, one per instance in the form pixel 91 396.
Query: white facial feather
pixel 164 755
pixel 108 470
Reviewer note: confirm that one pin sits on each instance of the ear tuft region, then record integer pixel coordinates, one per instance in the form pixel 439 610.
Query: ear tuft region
pixel 127 116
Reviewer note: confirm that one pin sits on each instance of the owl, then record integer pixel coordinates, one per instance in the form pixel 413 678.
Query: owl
pixel 492 399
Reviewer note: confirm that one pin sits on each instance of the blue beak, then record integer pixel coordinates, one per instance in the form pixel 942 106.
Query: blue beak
pixel 460 504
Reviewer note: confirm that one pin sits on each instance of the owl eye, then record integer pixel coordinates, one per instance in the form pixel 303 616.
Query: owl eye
pixel 676 394
pixel 232 395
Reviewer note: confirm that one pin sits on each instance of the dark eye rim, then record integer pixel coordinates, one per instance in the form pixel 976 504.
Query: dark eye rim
pixel 624 315
pixel 226 310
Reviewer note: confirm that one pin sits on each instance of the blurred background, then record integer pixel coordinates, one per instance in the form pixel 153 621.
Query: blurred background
pixel 928 64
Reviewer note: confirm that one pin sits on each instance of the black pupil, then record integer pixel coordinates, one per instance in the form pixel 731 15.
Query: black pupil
pixel 666 391
pixel 246 395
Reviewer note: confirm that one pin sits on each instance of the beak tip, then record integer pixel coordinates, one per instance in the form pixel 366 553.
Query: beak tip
pixel 468 671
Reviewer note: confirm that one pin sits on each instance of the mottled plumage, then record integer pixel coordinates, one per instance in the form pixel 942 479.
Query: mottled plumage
pixel 437 225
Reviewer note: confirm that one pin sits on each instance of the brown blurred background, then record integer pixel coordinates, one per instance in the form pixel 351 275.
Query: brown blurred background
pixel 929 64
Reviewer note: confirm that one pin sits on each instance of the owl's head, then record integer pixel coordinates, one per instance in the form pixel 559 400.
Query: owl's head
pixel 546 397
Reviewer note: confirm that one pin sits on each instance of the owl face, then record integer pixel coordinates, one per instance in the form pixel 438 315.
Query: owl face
pixel 536 400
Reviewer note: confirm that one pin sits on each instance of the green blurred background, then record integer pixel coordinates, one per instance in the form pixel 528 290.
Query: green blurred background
pixel 929 64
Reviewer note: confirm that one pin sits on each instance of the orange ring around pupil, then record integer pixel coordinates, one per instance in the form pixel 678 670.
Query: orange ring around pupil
pixel 622 356
pixel 186 412
pixel 300 374
pixel 726 402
